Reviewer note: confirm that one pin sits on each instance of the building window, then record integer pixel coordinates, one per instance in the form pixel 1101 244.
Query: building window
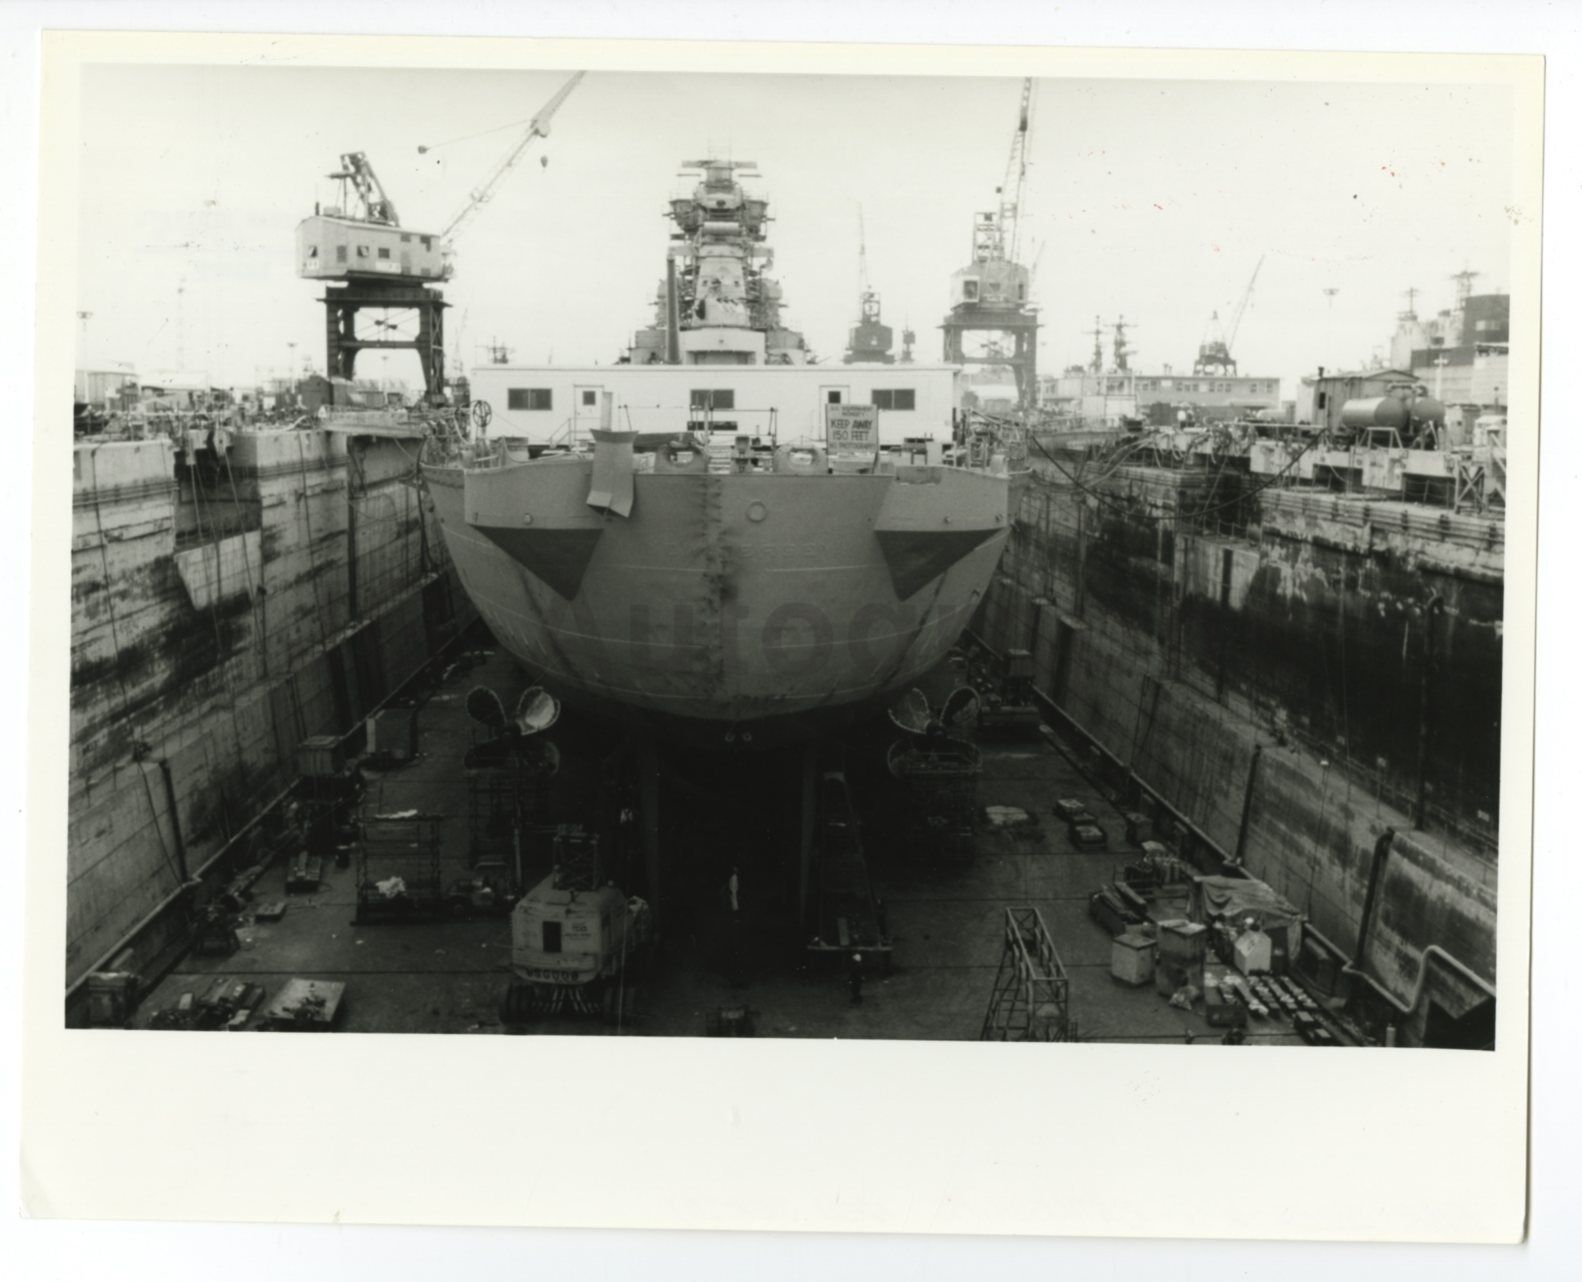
pixel 428 242
pixel 897 398
pixel 1323 400
pixel 551 936
pixel 969 291
pixel 313 251
pixel 340 253
pixel 406 238
pixel 362 251
pixel 384 253
pixel 529 398
pixel 832 397
pixel 589 396
pixel 713 398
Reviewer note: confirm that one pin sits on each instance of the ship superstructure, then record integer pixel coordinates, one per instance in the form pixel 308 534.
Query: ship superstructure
pixel 716 305
pixel 715 538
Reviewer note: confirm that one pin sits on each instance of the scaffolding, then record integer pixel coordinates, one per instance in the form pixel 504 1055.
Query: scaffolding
pixel 1032 992
pixel 940 775
pixel 398 867
pixel 504 807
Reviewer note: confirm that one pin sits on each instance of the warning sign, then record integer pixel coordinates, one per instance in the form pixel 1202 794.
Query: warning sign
pixel 851 428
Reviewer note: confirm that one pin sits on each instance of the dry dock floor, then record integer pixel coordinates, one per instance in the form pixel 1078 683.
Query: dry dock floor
pixel 446 976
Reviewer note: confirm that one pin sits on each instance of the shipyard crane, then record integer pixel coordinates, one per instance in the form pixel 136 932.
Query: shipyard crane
pixel 1010 190
pixel 537 127
pixel 862 256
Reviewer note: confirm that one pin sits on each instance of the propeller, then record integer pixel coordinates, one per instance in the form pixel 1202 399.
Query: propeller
pixel 958 717
pixel 536 711
pixel 515 736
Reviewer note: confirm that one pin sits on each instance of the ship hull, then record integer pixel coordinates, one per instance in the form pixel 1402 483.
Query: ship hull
pixel 734 610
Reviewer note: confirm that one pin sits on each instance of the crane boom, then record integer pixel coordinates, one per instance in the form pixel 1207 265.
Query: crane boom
pixel 862 255
pixel 1015 173
pixel 538 127
pixel 1241 307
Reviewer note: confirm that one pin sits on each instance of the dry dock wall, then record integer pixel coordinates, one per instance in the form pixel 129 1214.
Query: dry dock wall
pixel 1294 673
pixel 225 607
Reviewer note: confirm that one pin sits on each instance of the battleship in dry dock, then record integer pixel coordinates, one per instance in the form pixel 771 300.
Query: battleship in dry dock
pixel 715 537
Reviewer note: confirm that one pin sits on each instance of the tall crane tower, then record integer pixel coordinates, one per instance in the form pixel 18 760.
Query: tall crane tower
pixel 992 295
pixel 1214 354
pixel 370 262
pixel 870 339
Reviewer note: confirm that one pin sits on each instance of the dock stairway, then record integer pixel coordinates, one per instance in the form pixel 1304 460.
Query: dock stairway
pixel 1032 992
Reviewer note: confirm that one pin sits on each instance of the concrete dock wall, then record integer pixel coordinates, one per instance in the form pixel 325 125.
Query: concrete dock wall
pixel 224 609
pixel 1274 686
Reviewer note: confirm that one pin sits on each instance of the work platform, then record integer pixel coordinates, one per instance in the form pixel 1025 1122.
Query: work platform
pixel 945 920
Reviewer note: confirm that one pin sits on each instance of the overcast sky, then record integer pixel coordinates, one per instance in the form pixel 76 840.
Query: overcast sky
pixel 1153 200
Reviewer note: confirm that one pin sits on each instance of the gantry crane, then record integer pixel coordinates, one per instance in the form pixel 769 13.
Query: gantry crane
pixel 371 263
pixel 870 339
pixel 1215 355
pixel 991 297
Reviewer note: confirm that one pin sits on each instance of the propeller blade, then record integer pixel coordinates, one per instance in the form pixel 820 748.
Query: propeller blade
pixel 911 712
pixel 484 707
pixel 543 758
pixel 536 711
pixel 960 716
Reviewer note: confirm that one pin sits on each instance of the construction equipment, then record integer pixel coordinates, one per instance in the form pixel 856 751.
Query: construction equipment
pixel 577 942
pixel 1032 991
pixel 371 263
pixel 1215 357
pixel 991 297
pixel 870 339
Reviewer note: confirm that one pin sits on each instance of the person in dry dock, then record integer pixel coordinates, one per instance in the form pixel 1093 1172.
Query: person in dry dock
pixel 854 976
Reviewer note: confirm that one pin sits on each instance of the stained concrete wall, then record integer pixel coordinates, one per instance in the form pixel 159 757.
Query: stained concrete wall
pixel 1153 637
pixel 282 640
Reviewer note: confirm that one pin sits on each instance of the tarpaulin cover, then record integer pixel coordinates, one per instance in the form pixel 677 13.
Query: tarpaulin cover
pixel 1238 898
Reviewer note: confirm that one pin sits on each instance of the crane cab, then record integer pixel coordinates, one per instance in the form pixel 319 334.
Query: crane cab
pixel 333 247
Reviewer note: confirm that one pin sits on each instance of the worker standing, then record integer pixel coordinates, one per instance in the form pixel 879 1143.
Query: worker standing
pixel 854 976
pixel 733 907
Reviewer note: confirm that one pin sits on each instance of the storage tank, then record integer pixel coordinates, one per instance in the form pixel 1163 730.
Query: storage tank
pixel 1374 411
pixel 1424 410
